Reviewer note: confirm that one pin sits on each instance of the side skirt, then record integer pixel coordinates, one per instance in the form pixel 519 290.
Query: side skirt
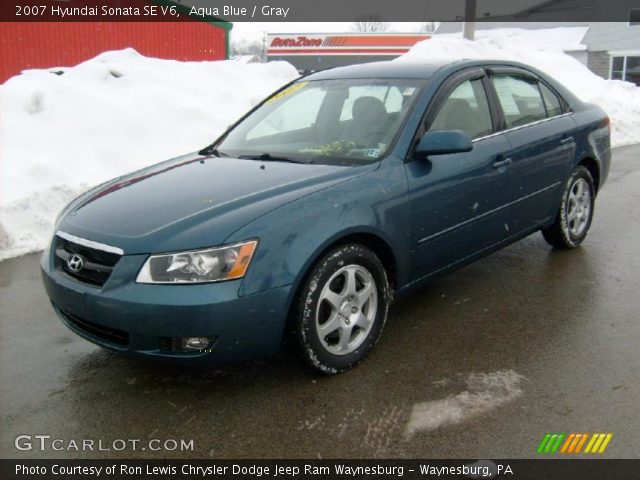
pixel 416 284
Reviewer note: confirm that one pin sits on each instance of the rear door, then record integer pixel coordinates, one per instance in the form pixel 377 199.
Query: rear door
pixel 540 132
pixel 458 201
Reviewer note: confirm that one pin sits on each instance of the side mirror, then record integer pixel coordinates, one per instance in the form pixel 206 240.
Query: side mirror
pixel 440 142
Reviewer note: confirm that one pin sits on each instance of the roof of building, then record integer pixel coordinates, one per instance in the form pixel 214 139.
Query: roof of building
pixel 455 27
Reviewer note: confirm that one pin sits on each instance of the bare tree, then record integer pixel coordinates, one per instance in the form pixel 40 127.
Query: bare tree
pixel 246 47
pixel 370 23
pixel 429 27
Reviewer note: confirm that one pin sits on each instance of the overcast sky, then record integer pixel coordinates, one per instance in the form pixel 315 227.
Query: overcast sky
pixel 255 30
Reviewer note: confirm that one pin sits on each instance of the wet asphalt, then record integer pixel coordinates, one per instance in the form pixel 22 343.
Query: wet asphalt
pixel 565 325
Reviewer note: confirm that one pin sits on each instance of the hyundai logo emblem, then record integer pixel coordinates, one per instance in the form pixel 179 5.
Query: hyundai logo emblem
pixel 75 263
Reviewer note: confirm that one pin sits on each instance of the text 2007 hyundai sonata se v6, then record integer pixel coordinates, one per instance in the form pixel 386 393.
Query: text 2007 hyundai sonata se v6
pixel 340 191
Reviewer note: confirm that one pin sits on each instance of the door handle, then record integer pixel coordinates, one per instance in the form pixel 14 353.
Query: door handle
pixel 566 140
pixel 502 162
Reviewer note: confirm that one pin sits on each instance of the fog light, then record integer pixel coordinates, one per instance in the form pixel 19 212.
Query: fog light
pixel 196 343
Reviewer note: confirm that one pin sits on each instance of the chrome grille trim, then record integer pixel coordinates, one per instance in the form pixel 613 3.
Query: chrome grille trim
pixel 89 243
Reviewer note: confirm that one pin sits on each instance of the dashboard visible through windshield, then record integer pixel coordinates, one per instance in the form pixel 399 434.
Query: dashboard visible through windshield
pixel 352 121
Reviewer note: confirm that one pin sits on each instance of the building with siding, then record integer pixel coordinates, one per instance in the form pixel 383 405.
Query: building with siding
pixel 614 49
pixel 317 51
pixel 610 49
pixel 27 45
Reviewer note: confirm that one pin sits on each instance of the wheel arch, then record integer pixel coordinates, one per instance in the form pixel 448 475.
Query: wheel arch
pixel 592 165
pixel 370 239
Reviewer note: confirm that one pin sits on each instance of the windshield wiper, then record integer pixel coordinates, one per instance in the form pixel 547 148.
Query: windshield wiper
pixel 267 157
pixel 210 150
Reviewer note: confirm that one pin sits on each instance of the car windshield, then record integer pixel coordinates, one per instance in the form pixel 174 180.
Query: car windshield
pixel 352 121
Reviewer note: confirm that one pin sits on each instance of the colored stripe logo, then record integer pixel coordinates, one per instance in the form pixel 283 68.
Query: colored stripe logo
pixel 573 443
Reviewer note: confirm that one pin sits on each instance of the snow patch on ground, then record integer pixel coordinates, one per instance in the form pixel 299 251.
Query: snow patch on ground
pixel 118 112
pixel 485 392
pixel 543 49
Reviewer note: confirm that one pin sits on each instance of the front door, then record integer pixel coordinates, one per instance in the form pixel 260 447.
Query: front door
pixel 459 202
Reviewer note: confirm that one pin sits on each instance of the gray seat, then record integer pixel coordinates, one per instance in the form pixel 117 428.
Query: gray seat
pixel 368 110
pixel 369 116
pixel 461 116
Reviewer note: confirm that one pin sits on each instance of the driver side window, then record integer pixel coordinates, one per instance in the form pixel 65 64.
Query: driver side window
pixel 467 109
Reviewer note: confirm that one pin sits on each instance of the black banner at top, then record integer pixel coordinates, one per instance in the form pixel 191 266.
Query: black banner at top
pixel 322 10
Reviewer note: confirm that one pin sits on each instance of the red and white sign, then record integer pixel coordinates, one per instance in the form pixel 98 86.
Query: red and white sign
pixel 392 44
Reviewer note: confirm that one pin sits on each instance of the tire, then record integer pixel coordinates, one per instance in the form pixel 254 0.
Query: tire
pixel 341 309
pixel 574 217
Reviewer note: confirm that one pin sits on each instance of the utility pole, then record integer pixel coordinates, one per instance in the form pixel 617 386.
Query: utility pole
pixel 470 19
pixel 263 57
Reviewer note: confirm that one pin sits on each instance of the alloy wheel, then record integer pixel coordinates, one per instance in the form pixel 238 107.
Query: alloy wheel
pixel 578 207
pixel 347 309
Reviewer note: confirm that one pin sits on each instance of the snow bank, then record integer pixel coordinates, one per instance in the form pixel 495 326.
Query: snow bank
pixel 61 134
pixel 485 392
pixel 621 100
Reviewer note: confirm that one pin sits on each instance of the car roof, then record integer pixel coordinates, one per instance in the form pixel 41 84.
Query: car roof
pixel 404 69
pixel 441 69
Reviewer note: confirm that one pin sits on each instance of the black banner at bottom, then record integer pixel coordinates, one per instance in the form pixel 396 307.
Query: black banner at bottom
pixel 547 469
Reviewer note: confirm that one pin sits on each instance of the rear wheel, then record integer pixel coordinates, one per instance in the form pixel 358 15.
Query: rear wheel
pixel 342 309
pixel 576 211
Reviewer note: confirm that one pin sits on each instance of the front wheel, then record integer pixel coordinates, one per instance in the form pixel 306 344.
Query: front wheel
pixel 576 211
pixel 342 308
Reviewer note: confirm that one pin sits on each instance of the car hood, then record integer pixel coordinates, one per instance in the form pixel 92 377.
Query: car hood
pixel 192 201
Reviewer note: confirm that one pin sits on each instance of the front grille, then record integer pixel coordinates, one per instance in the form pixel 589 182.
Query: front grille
pixel 108 334
pixel 97 264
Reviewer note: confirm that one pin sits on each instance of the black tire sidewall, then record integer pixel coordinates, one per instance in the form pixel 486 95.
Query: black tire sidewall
pixel 568 239
pixel 311 347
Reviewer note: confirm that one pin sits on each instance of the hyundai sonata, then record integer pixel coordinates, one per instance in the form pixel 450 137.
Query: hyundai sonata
pixel 341 191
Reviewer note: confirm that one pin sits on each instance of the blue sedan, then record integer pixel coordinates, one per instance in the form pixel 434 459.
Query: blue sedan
pixel 345 189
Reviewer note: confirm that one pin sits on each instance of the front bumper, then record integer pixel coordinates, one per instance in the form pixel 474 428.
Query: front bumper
pixel 144 319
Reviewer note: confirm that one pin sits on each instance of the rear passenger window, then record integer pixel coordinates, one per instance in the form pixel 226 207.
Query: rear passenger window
pixel 465 109
pixel 520 99
pixel 551 101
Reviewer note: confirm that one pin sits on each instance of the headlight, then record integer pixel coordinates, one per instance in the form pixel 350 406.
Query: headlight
pixel 199 266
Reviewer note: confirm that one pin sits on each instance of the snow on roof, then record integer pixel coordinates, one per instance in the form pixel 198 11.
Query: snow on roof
pixel 568 39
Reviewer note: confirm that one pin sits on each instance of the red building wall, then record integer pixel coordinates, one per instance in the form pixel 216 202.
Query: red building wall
pixel 54 44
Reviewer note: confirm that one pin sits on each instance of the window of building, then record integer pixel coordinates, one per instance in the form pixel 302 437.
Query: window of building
pixel 634 17
pixel 632 70
pixel 625 68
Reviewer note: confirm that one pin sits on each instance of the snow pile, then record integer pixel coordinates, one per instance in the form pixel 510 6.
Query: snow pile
pixel 61 134
pixel 621 100
pixel 485 392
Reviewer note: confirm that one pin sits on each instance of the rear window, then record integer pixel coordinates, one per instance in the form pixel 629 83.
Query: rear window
pixel 551 101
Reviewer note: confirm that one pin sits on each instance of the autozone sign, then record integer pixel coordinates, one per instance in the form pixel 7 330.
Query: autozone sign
pixel 300 41
pixel 393 44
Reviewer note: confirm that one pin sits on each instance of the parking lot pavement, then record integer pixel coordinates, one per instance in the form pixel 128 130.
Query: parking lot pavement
pixel 481 363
